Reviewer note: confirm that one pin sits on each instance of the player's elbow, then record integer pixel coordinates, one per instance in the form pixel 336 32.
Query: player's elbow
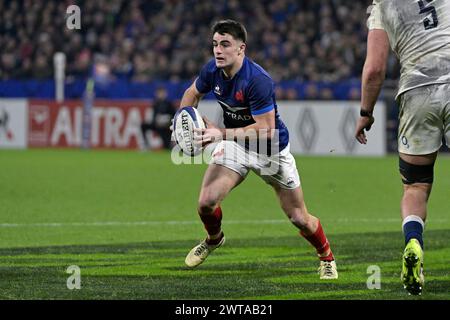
pixel 265 126
pixel 191 96
pixel 374 73
pixel 191 93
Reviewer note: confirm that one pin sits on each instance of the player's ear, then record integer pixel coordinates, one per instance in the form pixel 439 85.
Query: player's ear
pixel 241 48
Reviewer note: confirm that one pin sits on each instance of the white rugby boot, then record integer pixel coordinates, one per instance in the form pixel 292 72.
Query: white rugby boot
pixel 200 252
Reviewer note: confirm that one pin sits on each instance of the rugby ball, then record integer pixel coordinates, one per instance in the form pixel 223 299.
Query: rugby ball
pixel 185 121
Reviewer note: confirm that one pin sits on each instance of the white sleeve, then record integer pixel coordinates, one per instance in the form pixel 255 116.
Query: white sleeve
pixel 374 20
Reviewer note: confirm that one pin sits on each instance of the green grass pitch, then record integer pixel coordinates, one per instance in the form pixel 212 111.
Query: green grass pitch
pixel 128 219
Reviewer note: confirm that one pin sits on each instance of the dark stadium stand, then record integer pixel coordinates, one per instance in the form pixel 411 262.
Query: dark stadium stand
pixel 307 46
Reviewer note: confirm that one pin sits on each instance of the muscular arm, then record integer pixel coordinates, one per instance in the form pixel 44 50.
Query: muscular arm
pixel 191 97
pixel 374 68
pixel 263 128
pixel 372 78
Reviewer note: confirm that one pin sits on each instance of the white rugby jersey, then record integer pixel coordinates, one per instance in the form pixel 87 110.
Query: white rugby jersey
pixel 419 33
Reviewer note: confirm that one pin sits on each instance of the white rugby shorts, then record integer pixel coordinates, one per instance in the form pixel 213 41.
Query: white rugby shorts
pixel 279 169
pixel 424 119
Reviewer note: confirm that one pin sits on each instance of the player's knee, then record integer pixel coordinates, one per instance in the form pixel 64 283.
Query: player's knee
pixel 206 205
pixel 299 219
pixel 413 173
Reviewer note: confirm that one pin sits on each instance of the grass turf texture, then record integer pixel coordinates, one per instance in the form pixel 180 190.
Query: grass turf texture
pixel 128 219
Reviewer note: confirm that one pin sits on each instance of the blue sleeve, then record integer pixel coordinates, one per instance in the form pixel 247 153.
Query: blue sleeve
pixel 260 95
pixel 204 80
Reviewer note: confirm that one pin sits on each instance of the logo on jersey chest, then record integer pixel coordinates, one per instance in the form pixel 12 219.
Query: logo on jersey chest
pixel 217 90
pixel 239 96
pixel 236 116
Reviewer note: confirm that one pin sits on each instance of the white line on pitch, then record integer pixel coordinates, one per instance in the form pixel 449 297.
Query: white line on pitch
pixel 188 222
pixel 127 223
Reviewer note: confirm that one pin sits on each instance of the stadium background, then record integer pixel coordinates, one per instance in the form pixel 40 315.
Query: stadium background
pixel 62 205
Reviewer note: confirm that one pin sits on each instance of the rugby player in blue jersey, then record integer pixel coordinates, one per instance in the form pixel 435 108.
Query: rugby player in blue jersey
pixel 245 91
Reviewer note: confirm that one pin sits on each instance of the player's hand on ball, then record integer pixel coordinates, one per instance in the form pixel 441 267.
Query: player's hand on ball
pixel 210 134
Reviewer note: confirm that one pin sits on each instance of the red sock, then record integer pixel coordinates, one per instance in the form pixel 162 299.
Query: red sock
pixel 212 223
pixel 320 242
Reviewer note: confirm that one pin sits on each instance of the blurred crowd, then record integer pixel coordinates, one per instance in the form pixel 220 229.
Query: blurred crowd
pixel 307 40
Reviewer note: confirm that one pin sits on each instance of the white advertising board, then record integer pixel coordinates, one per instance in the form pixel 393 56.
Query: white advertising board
pixel 322 127
pixel 13 123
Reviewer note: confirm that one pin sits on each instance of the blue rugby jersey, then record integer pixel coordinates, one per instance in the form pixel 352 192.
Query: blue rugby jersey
pixel 250 92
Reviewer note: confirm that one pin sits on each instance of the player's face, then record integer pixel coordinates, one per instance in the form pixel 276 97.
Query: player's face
pixel 227 50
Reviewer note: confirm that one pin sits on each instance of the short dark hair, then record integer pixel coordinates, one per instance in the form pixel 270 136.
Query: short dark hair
pixel 233 28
